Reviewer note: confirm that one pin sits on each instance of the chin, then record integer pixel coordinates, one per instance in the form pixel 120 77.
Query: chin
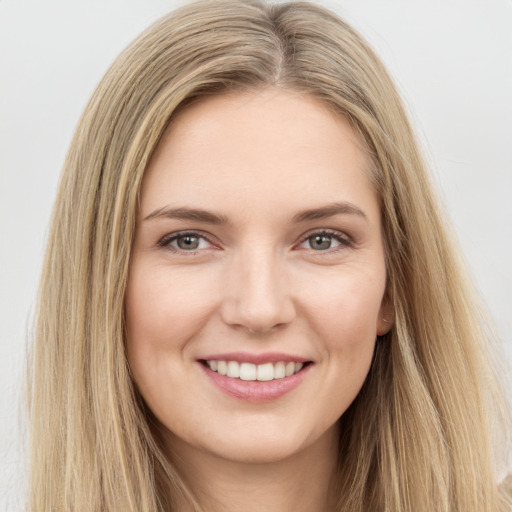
pixel 260 452
pixel 265 447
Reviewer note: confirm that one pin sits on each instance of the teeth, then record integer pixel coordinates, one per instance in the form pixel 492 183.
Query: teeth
pixel 233 369
pixel 279 370
pixel 249 371
pixel 222 367
pixel 265 371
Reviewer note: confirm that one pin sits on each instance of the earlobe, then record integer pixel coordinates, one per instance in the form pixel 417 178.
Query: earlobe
pixel 384 326
pixel 386 318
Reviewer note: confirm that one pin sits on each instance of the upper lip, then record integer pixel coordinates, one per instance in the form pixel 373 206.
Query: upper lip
pixel 245 357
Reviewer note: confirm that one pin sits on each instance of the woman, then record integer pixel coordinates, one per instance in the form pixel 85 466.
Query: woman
pixel 250 300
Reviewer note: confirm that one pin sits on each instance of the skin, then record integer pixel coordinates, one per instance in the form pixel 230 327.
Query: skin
pixel 258 283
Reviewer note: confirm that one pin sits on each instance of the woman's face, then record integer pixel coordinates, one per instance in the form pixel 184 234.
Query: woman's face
pixel 258 250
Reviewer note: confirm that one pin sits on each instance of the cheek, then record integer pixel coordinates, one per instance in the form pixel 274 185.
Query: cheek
pixel 165 307
pixel 343 312
pixel 163 311
pixel 345 308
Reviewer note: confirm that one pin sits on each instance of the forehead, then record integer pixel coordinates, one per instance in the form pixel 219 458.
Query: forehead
pixel 269 146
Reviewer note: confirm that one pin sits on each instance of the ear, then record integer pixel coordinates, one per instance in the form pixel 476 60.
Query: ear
pixel 386 318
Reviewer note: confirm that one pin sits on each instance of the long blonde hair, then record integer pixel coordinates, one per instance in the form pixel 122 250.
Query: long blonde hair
pixel 419 436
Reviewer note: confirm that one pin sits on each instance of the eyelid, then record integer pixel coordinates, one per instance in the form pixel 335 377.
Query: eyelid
pixel 165 241
pixel 344 239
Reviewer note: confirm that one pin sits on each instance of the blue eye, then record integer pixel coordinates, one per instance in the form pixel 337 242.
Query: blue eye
pixel 323 241
pixel 192 242
pixel 185 242
pixel 320 242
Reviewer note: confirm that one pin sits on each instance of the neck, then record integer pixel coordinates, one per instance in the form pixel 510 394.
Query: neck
pixel 303 482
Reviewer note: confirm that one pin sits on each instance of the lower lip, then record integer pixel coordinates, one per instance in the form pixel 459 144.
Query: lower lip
pixel 256 391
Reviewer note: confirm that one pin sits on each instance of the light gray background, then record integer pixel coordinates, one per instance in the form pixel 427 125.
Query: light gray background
pixel 452 62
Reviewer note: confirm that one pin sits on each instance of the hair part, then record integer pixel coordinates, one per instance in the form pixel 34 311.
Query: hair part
pixel 418 436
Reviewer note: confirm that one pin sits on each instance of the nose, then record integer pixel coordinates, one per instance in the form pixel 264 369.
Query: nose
pixel 257 296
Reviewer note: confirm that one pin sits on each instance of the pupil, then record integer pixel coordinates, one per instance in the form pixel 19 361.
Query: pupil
pixel 320 242
pixel 188 242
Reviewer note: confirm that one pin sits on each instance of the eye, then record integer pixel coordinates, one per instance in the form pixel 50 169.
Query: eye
pixel 325 240
pixel 185 242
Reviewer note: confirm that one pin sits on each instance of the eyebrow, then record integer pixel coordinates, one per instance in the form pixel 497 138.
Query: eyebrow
pixel 329 210
pixel 199 215
pixel 188 214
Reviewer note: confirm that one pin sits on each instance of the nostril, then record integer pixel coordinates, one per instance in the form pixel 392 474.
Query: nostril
pixel 258 303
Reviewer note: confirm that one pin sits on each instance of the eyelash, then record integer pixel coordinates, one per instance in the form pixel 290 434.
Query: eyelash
pixel 343 240
pixel 166 241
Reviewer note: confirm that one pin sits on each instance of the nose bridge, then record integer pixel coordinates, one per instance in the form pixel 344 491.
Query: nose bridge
pixel 258 295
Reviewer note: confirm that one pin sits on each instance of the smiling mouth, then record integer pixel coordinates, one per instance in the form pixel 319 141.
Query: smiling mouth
pixel 255 372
